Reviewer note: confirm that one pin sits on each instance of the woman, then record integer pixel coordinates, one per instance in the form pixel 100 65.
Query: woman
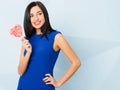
pixel 40 50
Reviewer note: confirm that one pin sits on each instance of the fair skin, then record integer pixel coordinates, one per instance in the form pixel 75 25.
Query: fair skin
pixel 37 20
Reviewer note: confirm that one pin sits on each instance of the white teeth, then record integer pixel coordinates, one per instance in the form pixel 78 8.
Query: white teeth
pixel 37 23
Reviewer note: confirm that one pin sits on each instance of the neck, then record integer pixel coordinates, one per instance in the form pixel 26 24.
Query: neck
pixel 38 31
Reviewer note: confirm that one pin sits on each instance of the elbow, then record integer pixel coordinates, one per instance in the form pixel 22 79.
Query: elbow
pixel 20 72
pixel 78 63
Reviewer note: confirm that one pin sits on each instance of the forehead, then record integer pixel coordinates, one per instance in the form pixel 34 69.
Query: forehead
pixel 35 9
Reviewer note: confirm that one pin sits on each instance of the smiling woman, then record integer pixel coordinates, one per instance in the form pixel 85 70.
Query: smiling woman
pixel 37 18
pixel 40 52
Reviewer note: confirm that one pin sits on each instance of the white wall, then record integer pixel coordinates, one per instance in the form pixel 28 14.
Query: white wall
pixel 92 28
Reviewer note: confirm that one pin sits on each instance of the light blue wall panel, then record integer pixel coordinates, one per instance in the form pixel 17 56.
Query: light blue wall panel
pixel 92 27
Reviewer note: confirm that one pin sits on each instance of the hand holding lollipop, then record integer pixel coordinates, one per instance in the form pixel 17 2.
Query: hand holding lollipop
pixel 17 32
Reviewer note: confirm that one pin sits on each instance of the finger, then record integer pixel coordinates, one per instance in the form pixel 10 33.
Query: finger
pixel 48 83
pixel 45 78
pixel 22 38
pixel 48 75
pixel 26 41
pixel 28 46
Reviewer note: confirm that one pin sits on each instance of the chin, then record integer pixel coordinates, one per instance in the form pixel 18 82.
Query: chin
pixel 37 27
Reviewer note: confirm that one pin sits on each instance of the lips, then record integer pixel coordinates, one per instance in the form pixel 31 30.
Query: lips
pixel 37 23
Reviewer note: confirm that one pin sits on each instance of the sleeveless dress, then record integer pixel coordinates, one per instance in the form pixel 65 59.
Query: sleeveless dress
pixel 42 61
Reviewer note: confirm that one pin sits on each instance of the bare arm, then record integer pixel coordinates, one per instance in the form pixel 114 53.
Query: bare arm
pixel 23 63
pixel 72 57
pixel 61 43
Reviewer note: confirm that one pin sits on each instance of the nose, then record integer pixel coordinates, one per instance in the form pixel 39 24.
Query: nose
pixel 35 17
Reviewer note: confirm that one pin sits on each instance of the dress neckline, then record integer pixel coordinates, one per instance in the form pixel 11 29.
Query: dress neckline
pixel 38 34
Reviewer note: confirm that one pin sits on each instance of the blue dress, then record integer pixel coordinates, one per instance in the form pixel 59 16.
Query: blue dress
pixel 42 61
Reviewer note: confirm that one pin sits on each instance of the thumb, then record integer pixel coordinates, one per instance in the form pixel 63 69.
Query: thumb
pixel 22 38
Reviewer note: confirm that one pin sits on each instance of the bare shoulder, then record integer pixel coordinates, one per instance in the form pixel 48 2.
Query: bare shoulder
pixel 61 42
pixel 58 35
pixel 60 39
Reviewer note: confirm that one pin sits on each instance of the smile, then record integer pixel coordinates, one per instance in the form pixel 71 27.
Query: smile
pixel 37 23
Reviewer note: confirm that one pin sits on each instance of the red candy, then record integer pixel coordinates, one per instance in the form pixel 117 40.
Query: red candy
pixel 16 31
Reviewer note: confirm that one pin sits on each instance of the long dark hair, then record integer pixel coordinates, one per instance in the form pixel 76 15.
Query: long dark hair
pixel 28 28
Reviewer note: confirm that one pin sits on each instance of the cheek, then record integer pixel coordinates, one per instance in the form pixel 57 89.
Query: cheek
pixel 43 19
pixel 31 20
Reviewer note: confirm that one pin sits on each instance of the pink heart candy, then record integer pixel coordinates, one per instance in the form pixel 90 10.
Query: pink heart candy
pixel 16 31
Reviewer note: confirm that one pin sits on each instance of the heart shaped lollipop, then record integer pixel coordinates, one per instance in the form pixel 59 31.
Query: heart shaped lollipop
pixel 17 31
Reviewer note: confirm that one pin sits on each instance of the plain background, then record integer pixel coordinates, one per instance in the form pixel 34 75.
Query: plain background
pixel 92 27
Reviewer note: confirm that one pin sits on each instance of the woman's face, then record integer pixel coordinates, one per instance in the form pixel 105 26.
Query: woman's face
pixel 37 17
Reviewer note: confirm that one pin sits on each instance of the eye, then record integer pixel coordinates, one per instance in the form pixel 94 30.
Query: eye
pixel 39 13
pixel 31 15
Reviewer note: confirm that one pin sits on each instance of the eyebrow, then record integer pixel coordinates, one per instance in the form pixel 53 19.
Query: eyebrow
pixel 36 12
pixel 39 11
